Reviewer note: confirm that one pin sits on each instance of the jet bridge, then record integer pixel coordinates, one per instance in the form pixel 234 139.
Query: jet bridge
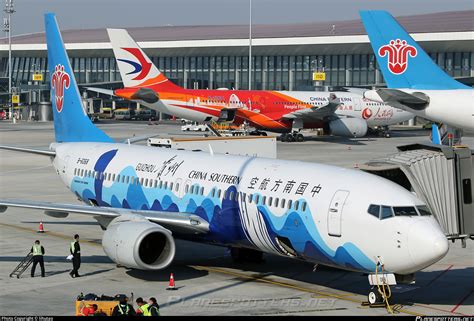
pixel 441 176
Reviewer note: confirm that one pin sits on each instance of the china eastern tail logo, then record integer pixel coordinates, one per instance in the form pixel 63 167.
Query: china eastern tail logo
pixel 60 81
pixel 142 67
pixel 397 52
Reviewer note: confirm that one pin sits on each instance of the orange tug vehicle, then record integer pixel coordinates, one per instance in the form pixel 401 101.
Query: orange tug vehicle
pixel 105 304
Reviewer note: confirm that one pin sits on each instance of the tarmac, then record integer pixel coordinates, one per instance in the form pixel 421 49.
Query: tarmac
pixel 208 282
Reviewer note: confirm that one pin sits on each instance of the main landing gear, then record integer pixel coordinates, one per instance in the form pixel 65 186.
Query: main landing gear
pixel 241 255
pixel 292 137
pixel 257 133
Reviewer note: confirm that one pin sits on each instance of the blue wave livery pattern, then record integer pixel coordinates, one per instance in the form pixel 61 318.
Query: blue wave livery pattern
pixel 223 215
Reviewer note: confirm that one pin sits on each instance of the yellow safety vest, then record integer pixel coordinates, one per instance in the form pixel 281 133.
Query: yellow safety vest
pixel 126 311
pixel 37 250
pixel 144 309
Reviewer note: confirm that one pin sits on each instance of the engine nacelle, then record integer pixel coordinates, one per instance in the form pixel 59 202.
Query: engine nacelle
pixel 348 127
pixel 135 242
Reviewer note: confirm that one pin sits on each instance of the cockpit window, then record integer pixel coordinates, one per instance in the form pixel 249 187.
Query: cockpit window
pixel 386 212
pixel 424 210
pixel 405 211
pixel 374 210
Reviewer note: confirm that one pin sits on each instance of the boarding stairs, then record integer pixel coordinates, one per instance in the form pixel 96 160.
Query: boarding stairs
pixel 24 264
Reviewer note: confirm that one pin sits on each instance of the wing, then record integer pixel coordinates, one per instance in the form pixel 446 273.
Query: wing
pixel 316 113
pixel 179 222
pixel 399 99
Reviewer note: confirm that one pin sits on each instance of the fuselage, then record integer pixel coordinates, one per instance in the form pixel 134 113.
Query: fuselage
pixel 318 213
pixel 266 110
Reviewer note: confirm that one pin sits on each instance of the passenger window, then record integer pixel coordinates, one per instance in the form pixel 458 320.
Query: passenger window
pixel 386 212
pixel 132 180
pixel 219 194
pixel 270 201
pixel 282 203
pixel 213 192
pixel 256 198
pixel 289 204
pixel 276 201
pixel 303 206
pixel 165 185
pixel 264 200
pixel 250 198
pixel 177 187
pixel 296 205
pixel 113 178
pixel 171 186
pixel 423 210
pixel 141 181
pixel 161 184
pixel 231 195
pixel 374 210
pixel 155 183
pixel 186 189
pixel 236 196
pixel 118 178
pixel 405 211
pixel 146 182
pixel 202 190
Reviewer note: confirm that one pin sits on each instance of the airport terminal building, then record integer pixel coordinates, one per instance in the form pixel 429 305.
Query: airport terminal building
pixel 284 57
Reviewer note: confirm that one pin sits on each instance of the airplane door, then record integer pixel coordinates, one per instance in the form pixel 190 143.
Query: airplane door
pixel 357 104
pixel 335 212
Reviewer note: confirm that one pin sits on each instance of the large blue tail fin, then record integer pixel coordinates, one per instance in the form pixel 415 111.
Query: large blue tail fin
pixel 71 123
pixel 403 62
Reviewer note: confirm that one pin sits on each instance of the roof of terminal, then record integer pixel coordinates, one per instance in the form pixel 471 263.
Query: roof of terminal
pixel 453 21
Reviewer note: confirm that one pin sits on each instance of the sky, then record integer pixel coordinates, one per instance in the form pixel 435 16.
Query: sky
pixel 87 14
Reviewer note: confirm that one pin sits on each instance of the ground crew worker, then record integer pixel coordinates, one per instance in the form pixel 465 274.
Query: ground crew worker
pixel 123 309
pixel 142 307
pixel 75 250
pixel 153 308
pixel 38 253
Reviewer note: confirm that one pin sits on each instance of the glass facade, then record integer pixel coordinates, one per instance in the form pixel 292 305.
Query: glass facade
pixel 269 72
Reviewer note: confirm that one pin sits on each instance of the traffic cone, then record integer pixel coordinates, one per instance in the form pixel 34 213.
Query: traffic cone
pixel 41 229
pixel 356 165
pixel 171 286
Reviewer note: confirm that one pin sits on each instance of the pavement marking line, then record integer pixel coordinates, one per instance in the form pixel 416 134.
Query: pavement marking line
pixel 282 284
pixel 462 300
pixel 439 275
pixel 62 236
pixel 437 309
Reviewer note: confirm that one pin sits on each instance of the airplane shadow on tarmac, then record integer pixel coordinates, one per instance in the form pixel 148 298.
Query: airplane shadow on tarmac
pixel 432 287
pixel 61 259
pixel 62 222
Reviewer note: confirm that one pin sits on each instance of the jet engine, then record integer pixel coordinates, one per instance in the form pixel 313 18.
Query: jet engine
pixel 135 242
pixel 348 127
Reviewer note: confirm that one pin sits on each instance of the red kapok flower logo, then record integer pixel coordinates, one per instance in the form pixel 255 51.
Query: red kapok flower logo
pixel 60 80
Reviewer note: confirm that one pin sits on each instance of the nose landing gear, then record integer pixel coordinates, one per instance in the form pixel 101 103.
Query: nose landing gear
pixel 380 291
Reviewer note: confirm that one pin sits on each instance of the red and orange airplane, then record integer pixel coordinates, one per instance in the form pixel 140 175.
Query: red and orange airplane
pixel 285 112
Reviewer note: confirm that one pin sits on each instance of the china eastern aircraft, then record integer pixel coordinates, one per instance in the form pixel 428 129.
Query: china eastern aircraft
pixel 145 198
pixel 415 83
pixel 277 111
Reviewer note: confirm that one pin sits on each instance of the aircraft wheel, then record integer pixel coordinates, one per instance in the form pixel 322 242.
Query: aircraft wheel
pixel 263 134
pixel 290 138
pixel 283 137
pixel 300 138
pixel 374 297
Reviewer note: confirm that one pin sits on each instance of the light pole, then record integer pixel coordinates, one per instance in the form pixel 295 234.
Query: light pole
pixel 9 10
pixel 250 47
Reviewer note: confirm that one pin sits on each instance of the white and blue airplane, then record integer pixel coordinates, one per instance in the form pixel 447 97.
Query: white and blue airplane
pixel 145 198
pixel 415 83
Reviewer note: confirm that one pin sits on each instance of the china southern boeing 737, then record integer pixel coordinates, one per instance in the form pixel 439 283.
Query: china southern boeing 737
pixel 145 198
pixel 415 83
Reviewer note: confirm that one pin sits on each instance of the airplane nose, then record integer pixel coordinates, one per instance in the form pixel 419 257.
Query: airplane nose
pixel 427 244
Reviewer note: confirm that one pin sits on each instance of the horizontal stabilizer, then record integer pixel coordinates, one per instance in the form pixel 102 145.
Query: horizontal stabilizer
pixel 399 99
pixel 101 90
pixel 29 150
